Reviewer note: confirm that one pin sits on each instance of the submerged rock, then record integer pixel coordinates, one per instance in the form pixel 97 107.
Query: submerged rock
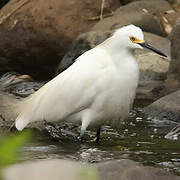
pixel 59 169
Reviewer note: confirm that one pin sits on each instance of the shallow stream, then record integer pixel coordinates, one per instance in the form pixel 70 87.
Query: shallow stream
pixel 139 138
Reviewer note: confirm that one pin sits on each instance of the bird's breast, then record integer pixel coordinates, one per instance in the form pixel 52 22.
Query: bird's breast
pixel 117 91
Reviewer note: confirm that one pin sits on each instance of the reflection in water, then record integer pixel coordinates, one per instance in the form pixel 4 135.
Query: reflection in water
pixel 139 139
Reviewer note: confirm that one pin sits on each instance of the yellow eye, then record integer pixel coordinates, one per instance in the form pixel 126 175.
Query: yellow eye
pixel 133 39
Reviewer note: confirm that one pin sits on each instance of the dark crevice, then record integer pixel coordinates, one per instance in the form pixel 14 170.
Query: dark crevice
pixel 3 3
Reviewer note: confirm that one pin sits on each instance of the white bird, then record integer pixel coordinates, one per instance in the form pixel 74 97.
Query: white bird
pixel 100 86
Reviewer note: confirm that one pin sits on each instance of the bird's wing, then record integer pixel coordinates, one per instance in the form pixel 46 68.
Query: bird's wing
pixel 71 91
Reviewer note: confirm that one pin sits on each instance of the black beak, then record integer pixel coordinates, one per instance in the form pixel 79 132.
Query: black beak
pixel 146 45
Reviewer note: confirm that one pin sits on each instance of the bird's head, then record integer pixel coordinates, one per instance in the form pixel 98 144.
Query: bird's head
pixel 132 37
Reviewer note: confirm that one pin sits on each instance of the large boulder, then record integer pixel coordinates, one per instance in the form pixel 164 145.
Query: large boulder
pixel 35 34
pixel 145 14
pixel 173 81
pixel 59 169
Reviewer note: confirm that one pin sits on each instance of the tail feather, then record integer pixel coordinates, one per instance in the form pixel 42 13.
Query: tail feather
pixel 21 123
pixel 11 108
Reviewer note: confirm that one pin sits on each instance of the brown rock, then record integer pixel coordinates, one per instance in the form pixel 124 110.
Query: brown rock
pixel 173 81
pixel 141 13
pixel 35 34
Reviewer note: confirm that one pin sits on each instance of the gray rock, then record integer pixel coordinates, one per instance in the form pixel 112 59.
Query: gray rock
pixel 70 170
pixel 149 91
pixel 18 85
pixel 141 13
pixel 165 109
pixel 173 81
pixel 153 66
pixel 44 170
pixel 129 170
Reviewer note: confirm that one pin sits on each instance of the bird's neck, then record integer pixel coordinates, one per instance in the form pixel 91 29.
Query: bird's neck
pixel 115 47
pixel 118 51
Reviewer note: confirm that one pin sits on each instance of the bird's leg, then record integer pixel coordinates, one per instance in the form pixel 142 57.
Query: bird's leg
pixel 102 9
pixel 98 135
pixel 80 138
pixel 84 126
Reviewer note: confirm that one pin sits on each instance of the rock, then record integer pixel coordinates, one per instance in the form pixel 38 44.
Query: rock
pixel 36 34
pixel 150 91
pixel 173 81
pixel 59 169
pixel 169 20
pixel 129 170
pixel 143 13
pixel 165 109
pixel 153 66
pixel 19 85
pixel 44 170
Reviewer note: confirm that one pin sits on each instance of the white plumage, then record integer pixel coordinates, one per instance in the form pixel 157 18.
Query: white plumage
pixel 99 86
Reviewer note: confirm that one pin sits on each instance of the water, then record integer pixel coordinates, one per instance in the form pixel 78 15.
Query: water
pixel 139 139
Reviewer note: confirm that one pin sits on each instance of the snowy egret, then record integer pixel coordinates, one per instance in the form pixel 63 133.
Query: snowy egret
pixel 100 86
